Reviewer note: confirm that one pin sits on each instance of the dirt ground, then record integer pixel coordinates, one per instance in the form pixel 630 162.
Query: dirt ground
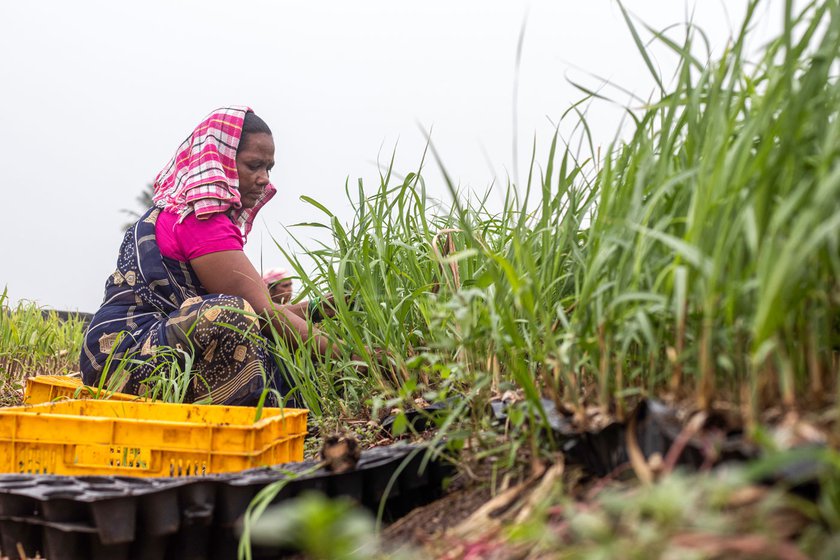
pixel 420 527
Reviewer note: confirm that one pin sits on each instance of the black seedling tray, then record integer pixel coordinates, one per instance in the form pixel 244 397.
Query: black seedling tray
pixel 65 517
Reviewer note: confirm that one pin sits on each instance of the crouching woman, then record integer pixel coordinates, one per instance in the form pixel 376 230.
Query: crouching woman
pixel 183 283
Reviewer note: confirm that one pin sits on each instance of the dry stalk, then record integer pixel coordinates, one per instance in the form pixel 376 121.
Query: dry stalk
pixel 448 249
pixel 634 453
pixel 679 346
pixel 543 490
pixel 815 370
pixel 692 427
pixel 603 364
pixel 619 388
pixel 788 383
pixel 493 368
pixel 705 392
pixel 514 504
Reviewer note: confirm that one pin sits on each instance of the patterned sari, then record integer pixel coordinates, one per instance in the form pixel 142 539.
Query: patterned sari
pixel 153 301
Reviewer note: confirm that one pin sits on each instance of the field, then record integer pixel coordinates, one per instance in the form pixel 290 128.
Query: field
pixel 694 261
pixel 34 342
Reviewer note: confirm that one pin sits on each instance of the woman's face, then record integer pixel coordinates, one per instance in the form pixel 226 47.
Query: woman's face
pixel 254 160
pixel 281 292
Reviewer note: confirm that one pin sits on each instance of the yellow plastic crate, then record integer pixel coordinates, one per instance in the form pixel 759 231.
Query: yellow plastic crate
pixel 101 437
pixel 48 388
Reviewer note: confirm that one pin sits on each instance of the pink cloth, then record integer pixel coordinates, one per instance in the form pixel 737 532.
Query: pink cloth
pixel 275 275
pixel 191 238
pixel 201 177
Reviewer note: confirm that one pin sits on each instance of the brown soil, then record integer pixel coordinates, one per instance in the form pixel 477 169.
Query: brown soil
pixel 421 526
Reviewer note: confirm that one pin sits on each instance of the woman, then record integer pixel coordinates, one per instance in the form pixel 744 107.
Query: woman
pixel 279 284
pixel 183 281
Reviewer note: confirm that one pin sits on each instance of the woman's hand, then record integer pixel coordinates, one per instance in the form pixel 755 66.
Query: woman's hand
pixel 359 365
pixel 324 307
pixel 327 306
pixel 231 273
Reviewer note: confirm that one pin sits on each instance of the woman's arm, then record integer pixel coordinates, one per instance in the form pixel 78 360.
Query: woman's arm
pixel 231 273
pixel 299 309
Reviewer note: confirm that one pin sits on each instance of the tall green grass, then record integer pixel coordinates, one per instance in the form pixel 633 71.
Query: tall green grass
pixel 33 343
pixel 699 255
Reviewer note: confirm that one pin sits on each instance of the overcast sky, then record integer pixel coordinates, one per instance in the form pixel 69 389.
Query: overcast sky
pixel 96 96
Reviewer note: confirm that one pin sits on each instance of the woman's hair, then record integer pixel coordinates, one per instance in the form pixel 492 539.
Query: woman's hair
pixel 252 124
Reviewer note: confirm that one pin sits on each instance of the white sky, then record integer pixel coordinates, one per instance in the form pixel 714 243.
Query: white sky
pixel 95 97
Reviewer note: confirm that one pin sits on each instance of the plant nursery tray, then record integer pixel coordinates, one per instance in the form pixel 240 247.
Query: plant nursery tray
pixel 117 517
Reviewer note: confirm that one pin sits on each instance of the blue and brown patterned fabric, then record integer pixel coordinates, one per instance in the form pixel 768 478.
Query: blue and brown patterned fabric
pixel 153 302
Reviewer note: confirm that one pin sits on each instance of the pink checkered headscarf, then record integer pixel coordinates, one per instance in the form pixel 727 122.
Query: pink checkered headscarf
pixel 201 177
pixel 275 275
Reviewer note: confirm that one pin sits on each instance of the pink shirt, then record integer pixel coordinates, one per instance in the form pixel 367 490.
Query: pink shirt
pixel 193 238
